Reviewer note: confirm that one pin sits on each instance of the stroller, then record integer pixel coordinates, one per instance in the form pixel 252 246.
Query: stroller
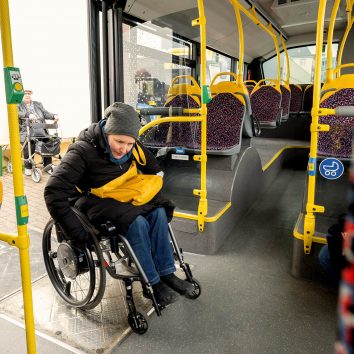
pixel 42 139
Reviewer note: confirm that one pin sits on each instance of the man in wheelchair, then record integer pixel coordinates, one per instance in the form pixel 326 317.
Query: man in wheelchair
pixel 120 181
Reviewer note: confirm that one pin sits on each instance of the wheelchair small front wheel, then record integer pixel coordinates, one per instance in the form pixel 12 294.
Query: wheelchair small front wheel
pixel 197 290
pixel 36 175
pixel 138 323
pixel 9 166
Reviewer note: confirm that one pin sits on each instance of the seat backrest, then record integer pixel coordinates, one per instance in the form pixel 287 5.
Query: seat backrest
pixel 173 134
pixel 266 104
pixel 307 98
pixel 183 92
pixel 224 124
pixel 337 141
pixel 296 98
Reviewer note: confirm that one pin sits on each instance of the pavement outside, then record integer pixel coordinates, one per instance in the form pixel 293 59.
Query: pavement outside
pixel 38 214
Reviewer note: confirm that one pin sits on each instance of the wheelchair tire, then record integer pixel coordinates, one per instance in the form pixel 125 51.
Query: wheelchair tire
pixel 9 166
pixel 138 323
pixel 87 289
pixel 36 175
pixel 197 290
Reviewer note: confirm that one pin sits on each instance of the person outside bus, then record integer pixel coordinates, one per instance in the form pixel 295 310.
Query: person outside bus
pixel 36 113
pixel 103 156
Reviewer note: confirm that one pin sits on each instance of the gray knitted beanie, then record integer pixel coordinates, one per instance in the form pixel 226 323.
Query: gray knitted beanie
pixel 122 119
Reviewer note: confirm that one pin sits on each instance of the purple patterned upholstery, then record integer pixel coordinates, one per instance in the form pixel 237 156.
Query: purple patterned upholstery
pixel 224 122
pixel 173 134
pixel 308 98
pixel 338 141
pixel 296 99
pixel 265 104
pixel 285 100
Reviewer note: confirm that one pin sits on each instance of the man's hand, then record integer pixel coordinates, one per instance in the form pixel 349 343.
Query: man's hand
pixel 56 118
pixel 32 117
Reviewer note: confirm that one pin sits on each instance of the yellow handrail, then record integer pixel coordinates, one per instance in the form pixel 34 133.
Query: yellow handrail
pixel 311 207
pixel 202 158
pixel 241 45
pixel 329 73
pixel 252 14
pixel 21 240
pixel 286 59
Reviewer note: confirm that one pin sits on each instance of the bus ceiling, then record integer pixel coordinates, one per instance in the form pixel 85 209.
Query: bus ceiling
pixel 295 20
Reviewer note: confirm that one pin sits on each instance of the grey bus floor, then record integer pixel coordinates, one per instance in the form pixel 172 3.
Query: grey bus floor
pixel 250 302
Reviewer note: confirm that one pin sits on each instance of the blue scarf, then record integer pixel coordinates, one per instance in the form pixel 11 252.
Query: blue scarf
pixel 120 161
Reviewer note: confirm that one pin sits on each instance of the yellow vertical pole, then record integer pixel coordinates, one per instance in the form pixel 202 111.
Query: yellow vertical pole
pixel 311 208
pixel 241 44
pixel 202 158
pixel 22 240
pixel 276 44
pixel 329 72
pixel 286 59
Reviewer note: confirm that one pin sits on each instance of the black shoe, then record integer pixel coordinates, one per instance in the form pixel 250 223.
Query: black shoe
pixel 164 295
pixel 183 287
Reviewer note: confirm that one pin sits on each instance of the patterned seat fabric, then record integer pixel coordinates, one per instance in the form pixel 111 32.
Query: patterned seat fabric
pixel 265 104
pixel 338 141
pixel 296 99
pixel 285 100
pixel 173 134
pixel 224 123
pixel 308 98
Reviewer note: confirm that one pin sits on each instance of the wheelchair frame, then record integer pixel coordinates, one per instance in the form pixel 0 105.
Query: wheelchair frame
pixel 98 257
pixel 36 174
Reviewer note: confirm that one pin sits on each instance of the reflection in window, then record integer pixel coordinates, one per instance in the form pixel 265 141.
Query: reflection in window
pixel 215 64
pixel 153 56
pixel 302 64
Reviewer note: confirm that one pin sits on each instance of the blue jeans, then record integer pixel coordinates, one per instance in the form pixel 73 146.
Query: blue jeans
pixel 148 236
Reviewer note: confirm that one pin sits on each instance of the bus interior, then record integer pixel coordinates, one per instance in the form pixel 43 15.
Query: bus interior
pixel 241 102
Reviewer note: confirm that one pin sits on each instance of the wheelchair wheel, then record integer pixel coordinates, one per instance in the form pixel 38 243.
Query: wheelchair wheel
pixel 138 323
pixel 77 275
pixel 9 166
pixel 197 290
pixel 36 175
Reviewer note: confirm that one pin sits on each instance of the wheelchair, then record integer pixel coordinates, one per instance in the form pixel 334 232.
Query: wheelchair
pixel 79 275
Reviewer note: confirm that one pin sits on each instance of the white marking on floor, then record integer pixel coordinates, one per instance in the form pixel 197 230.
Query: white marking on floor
pixel 45 336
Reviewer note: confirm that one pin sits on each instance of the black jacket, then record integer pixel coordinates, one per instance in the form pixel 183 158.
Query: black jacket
pixel 87 165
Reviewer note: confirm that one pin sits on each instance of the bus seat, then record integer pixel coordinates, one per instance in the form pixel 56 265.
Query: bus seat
pixel 307 99
pixel 338 141
pixel 266 105
pixel 224 124
pixel 295 99
pixel 174 134
pixel 285 101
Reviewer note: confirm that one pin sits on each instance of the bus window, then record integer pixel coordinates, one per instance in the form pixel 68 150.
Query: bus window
pixel 153 56
pixel 302 64
pixel 216 63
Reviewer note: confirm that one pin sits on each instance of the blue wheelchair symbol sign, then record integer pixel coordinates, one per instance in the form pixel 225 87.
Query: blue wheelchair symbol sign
pixel 331 168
